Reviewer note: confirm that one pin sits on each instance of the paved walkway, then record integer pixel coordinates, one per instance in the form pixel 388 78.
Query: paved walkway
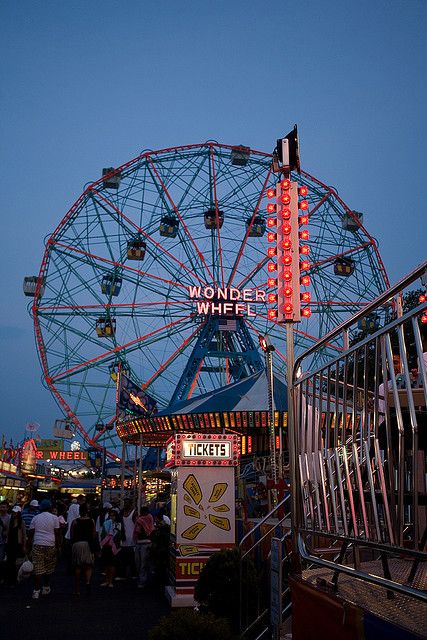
pixel 121 612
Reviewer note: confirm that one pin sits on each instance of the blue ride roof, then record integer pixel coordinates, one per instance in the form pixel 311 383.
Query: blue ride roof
pixel 249 394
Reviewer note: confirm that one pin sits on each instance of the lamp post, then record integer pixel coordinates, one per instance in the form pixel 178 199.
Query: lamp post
pixel 139 499
pixel 268 349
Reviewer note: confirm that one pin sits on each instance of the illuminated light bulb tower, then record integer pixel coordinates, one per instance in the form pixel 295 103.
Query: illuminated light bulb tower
pixel 203 469
pixel 290 262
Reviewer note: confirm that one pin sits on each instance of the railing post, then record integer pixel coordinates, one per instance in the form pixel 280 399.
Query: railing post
pixel 293 445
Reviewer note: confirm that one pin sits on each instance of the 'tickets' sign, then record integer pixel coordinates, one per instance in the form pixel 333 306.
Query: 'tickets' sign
pixel 227 301
pixel 209 450
pixel 186 449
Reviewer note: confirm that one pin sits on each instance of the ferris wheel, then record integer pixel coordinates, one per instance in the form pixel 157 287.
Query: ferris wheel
pixel 125 272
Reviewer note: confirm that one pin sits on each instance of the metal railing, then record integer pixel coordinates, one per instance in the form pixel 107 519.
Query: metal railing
pixel 255 561
pixel 360 443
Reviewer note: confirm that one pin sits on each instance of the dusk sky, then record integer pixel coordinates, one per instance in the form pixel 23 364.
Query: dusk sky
pixel 90 84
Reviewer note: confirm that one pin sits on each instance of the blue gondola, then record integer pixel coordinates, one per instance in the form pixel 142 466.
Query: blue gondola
pixel 113 180
pixel 240 156
pixel 350 223
pixel 211 219
pixel 111 284
pixel 136 249
pixel 169 226
pixel 344 266
pixel 105 327
pixel 258 227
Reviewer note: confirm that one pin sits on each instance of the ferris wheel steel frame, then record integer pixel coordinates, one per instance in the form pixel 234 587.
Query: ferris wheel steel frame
pixel 174 171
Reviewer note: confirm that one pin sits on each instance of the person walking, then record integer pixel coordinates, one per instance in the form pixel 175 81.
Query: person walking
pixel 4 528
pixel 16 544
pixel 72 514
pixel 111 536
pixel 144 526
pixel 127 554
pixel 103 516
pixel 83 537
pixel 29 511
pixel 44 542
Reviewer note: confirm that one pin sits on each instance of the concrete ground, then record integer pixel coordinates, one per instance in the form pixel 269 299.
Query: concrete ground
pixel 121 612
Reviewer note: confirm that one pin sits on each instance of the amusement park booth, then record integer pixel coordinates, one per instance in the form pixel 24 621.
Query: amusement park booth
pixel 202 506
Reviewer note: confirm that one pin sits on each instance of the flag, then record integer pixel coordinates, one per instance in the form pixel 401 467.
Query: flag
pixel 227 324
pixel 133 400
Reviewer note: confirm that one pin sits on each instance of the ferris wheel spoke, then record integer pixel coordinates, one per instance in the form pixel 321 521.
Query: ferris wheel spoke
pixel 91 257
pixel 243 245
pixel 69 412
pixel 216 251
pixel 318 204
pixel 180 218
pixel 117 305
pixel 163 367
pixel 189 190
pixel 342 254
pixel 261 265
pixel 163 251
pixel 123 347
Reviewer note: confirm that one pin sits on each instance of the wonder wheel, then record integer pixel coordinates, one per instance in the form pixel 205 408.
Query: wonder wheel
pixel 124 274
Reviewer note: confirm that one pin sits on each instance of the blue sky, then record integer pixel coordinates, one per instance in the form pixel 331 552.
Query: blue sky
pixel 88 84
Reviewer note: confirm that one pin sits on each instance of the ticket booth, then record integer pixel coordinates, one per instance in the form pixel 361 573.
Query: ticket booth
pixel 202 506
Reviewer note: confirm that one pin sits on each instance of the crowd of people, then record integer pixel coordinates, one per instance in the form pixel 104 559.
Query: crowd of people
pixel 84 533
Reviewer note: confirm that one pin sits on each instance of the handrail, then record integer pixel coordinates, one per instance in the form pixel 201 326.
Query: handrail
pixel 261 522
pixel 365 311
pixel 355 573
pixel 359 433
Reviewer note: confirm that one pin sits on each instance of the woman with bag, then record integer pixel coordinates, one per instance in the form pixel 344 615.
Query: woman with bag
pixel 144 527
pixel 111 535
pixel 16 541
pixel 83 540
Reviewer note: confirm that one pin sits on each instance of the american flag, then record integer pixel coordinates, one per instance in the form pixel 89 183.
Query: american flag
pixel 227 324
pixel 132 400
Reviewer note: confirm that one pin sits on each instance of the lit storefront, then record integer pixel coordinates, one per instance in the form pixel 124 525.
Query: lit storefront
pixel 12 486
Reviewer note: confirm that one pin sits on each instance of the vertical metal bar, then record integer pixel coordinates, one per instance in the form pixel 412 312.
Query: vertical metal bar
pixel 323 482
pixel 139 476
pixel 401 445
pixel 293 442
pixel 359 486
pixel 419 348
pixel 365 402
pixel 332 490
pixel 310 490
pixel 341 489
pixel 373 497
pixel 316 490
pixel 383 489
pixel 414 429
pixel 328 442
pixel 269 365
pixel 389 451
pixel 344 403
pixel 337 413
pixel 306 502
pixel 350 492
pixel 122 476
pixel 377 371
pixel 345 341
pixel 354 399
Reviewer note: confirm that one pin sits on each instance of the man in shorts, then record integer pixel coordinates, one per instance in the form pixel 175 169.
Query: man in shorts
pixel 44 540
